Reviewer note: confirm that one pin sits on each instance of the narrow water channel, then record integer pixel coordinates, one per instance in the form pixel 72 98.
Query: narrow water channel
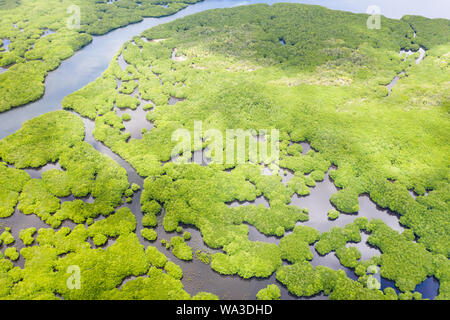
pixel 404 55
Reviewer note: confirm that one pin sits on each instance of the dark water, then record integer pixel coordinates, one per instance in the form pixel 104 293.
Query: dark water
pixel 87 64
pixel 429 288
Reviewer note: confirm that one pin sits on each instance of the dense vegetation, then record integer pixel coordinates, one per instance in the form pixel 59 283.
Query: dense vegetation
pixel 34 51
pixel 271 292
pixel 324 85
pixel 303 88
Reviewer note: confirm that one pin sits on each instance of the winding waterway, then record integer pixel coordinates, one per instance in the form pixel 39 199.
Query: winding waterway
pixel 88 64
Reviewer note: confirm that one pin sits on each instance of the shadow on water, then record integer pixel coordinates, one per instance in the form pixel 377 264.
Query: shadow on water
pixel 429 288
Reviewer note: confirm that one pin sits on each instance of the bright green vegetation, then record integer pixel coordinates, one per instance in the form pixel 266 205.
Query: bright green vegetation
pixel 303 280
pixel 397 248
pixel 123 221
pixel 135 187
pixel 126 117
pixel 12 253
pixel 187 236
pixel 326 85
pixel 42 140
pixel 129 193
pixel 296 246
pixel 156 258
pixel 348 256
pixel 12 182
pixel 33 51
pixel 26 235
pixel 180 248
pixel 6 237
pixel 430 32
pixel 157 286
pixel 338 237
pixel 102 270
pixel 57 137
pixel 333 214
pixel 173 270
pixel 203 257
pixel 220 225
pixel 271 292
pixel 149 234
pixel 247 259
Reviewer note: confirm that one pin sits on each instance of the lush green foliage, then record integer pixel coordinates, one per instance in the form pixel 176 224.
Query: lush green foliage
pixel 156 258
pixel 57 137
pixel 12 253
pixel 12 182
pixel 102 270
pixel 203 257
pixel 304 281
pixel 6 237
pixel 42 140
pixel 296 246
pixel 271 292
pixel 429 32
pixel 180 248
pixel 338 237
pixel 173 270
pixel 326 85
pixel 34 51
pixel 26 235
pixel 397 251
pixel 333 214
pixel 149 234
